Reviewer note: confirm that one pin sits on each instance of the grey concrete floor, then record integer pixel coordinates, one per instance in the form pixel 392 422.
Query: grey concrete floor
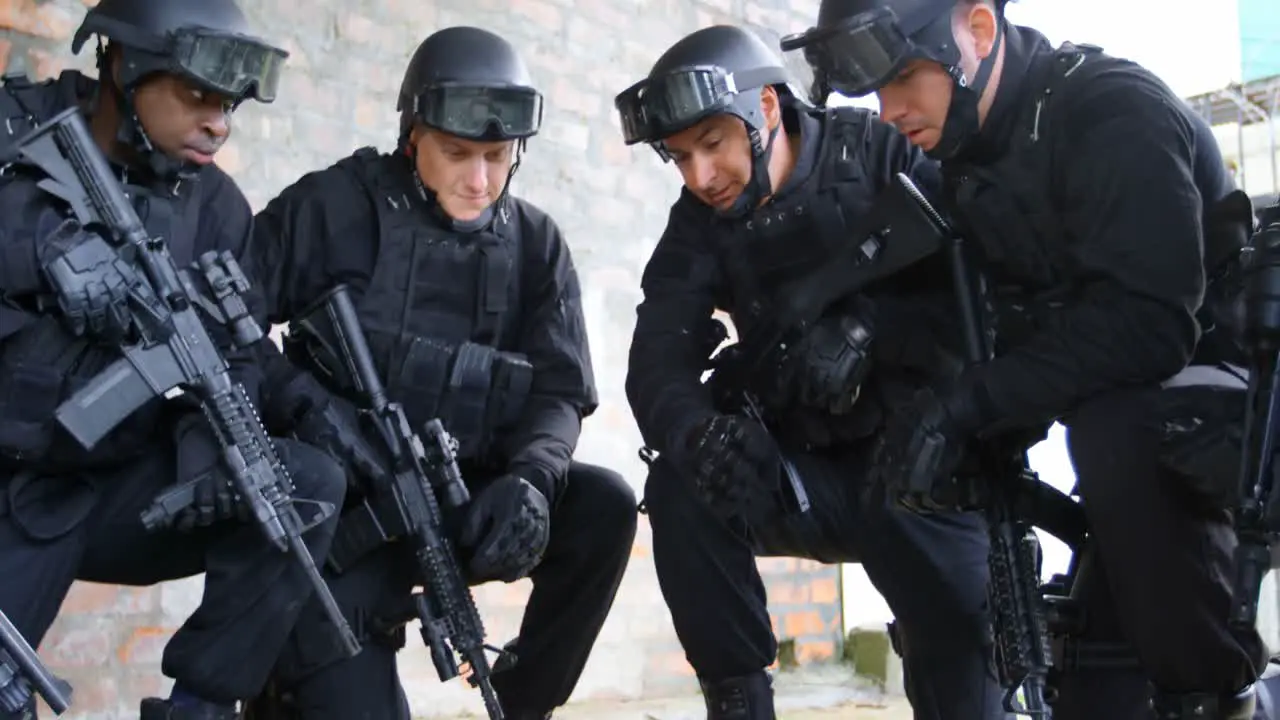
pixel 816 693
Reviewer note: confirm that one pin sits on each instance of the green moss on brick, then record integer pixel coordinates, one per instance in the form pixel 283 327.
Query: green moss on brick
pixel 867 651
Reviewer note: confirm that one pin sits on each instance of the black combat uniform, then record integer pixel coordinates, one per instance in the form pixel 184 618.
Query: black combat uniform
pixel 932 571
pixel 68 514
pixel 1092 193
pixel 482 328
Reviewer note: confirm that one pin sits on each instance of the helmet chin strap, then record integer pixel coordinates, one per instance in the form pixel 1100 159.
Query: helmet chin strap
pixel 760 186
pixel 480 223
pixel 962 123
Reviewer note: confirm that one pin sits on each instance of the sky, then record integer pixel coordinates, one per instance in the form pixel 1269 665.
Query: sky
pixel 1192 50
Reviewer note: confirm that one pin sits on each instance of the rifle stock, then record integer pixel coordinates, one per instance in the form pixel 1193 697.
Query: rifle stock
pixel 21 671
pixel 175 351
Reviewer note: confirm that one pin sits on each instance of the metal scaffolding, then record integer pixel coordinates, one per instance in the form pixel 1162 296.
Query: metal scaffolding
pixel 1243 105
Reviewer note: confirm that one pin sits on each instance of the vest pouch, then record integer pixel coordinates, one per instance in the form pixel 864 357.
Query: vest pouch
pixel 512 380
pixel 34 368
pixel 421 376
pixel 29 396
pixel 463 409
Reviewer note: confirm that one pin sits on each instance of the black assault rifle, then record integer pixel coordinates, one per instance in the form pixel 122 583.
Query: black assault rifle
pixel 408 504
pixel 21 671
pixel 1257 521
pixel 175 351
pixel 897 233
pixel 1011 495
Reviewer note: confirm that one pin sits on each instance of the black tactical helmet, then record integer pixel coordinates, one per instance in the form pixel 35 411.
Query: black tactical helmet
pixel 471 83
pixel 720 69
pixel 859 46
pixel 205 41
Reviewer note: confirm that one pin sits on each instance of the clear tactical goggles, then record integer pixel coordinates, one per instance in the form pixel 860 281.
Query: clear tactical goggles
pixel 859 55
pixel 476 112
pixel 234 65
pixel 658 107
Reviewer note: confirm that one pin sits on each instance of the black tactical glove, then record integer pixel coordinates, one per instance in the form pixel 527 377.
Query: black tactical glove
pixel 736 465
pixel 333 425
pixel 831 362
pixel 506 530
pixel 305 409
pixel 922 445
pixel 91 281
pixel 199 458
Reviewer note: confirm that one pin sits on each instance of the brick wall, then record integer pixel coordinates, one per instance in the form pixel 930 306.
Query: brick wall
pixel 338 94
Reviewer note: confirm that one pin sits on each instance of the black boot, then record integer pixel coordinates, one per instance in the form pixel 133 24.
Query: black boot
pixel 749 697
pixel 1204 706
pixel 158 709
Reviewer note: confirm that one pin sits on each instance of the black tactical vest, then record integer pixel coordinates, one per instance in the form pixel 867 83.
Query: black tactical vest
pixel 787 240
pixel 42 365
pixel 784 241
pixel 1009 209
pixel 439 307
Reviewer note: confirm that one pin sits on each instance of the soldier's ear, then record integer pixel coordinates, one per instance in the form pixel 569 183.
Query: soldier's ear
pixel 771 107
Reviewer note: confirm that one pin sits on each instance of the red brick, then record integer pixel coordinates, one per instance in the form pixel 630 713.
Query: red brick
pixel 73 647
pixel 801 623
pixel 86 598
pixel 669 663
pixel 144 645
pixel 824 591
pixel 46 19
pixel 96 694
pixel 815 651
pixel 787 592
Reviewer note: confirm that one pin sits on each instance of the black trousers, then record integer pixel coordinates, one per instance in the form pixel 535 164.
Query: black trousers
pixel 1162 565
pixel 592 531
pixel 931 570
pixel 54 531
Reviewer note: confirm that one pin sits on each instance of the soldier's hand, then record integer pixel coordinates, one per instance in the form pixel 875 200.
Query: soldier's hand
pixel 333 425
pixel 917 455
pixel 215 501
pixel 92 283
pixel 736 465
pixel 506 530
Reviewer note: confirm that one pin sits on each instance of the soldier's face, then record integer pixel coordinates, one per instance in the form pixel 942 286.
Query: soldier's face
pixel 714 158
pixel 182 119
pixel 916 102
pixel 467 176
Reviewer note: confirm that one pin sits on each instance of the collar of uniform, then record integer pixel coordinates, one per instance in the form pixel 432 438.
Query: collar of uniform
pixel 795 120
pixel 1023 46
